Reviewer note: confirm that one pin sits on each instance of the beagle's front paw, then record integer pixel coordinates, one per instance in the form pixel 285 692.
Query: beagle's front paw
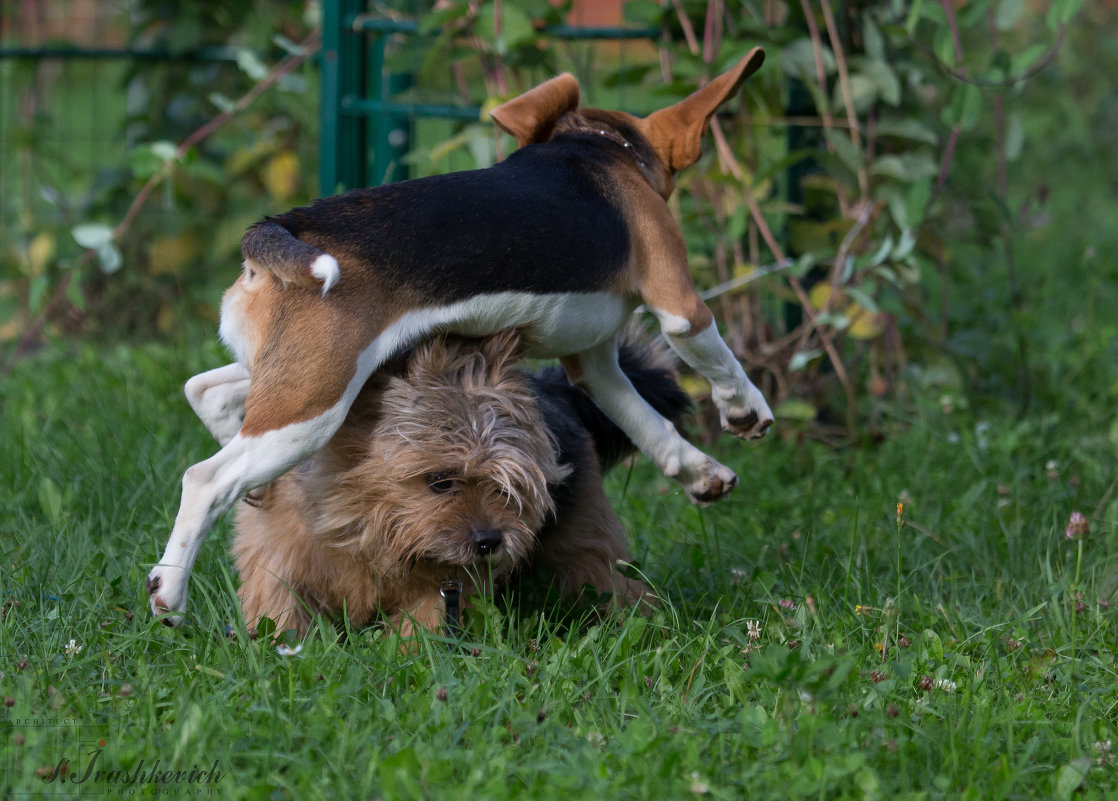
pixel 708 481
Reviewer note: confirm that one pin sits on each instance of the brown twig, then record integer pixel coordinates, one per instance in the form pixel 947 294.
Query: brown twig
pixel 844 86
pixel 953 137
pixel 824 106
pixel 687 28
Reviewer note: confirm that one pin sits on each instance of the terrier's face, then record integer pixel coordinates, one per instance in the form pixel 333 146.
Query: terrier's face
pixel 455 475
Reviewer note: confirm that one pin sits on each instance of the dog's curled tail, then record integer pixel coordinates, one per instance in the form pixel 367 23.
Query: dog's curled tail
pixel 269 247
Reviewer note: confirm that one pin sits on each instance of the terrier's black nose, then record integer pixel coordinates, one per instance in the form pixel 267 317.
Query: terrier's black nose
pixel 487 541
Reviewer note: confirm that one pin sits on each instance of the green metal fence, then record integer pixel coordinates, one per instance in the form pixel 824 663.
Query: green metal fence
pixel 366 131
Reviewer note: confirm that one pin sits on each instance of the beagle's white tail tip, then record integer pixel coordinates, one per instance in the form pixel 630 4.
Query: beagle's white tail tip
pixel 325 269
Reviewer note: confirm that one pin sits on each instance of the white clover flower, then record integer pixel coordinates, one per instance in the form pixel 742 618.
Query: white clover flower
pixel 753 629
pixel 72 648
pixel 596 739
pixel 946 685
pixel 283 649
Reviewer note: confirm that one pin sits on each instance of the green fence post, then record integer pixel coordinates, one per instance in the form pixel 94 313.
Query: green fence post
pixel 342 141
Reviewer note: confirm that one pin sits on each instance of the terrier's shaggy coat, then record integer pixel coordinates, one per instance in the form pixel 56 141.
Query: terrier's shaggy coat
pixel 457 467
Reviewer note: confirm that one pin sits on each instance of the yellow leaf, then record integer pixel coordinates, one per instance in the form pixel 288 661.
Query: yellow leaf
pixel 39 253
pixel 281 175
pixel 166 320
pixel 490 104
pixel 13 327
pixel 743 269
pixel 245 158
pixel 864 324
pixel 170 254
pixel 795 409
pixel 694 385
pixel 821 293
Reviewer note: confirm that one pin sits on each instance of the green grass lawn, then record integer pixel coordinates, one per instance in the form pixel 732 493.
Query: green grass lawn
pixel 809 645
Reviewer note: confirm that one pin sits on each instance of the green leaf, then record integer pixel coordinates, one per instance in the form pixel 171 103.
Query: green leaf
pixel 109 256
pixel 907 167
pixel 642 12
pixel 872 39
pixel 965 107
pixel 434 21
pixel 1014 137
pixel 50 501
pixel 1007 13
pixel 944 46
pixel 1061 12
pixel 905 245
pixel 915 12
pixel 1070 777
pixel 190 723
pixel 884 80
pixel 1025 60
pixel 907 128
pixel 92 235
pixel 848 153
pixel 882 252
pixel 801 359
pixel 250 64
pixel 916 202
pixel 863 299
pixel 863 93
pixel 515 27
pixel 797 59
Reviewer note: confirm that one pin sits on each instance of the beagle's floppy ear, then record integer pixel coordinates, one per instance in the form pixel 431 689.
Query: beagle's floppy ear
pixel 675 132
pixel 531 117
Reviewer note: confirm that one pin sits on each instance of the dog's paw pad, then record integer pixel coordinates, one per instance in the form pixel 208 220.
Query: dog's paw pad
pixel 714 484
pixel 152 584
pixel 748 426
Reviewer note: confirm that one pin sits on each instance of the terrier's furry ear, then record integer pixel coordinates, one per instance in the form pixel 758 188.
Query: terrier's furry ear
pixel 531 117
pixel 675 132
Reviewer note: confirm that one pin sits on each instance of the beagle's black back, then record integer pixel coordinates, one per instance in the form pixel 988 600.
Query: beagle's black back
pixel 546 220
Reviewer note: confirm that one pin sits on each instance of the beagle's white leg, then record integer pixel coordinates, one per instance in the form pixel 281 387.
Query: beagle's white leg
pixel 218 398
pixel 741 406
pixel 211 487
pixel 704 479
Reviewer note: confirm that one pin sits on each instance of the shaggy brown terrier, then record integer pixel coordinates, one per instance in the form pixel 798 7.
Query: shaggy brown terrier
pixel 452 466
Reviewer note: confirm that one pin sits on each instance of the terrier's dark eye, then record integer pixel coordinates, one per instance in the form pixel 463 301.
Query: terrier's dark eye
pixel 442 482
